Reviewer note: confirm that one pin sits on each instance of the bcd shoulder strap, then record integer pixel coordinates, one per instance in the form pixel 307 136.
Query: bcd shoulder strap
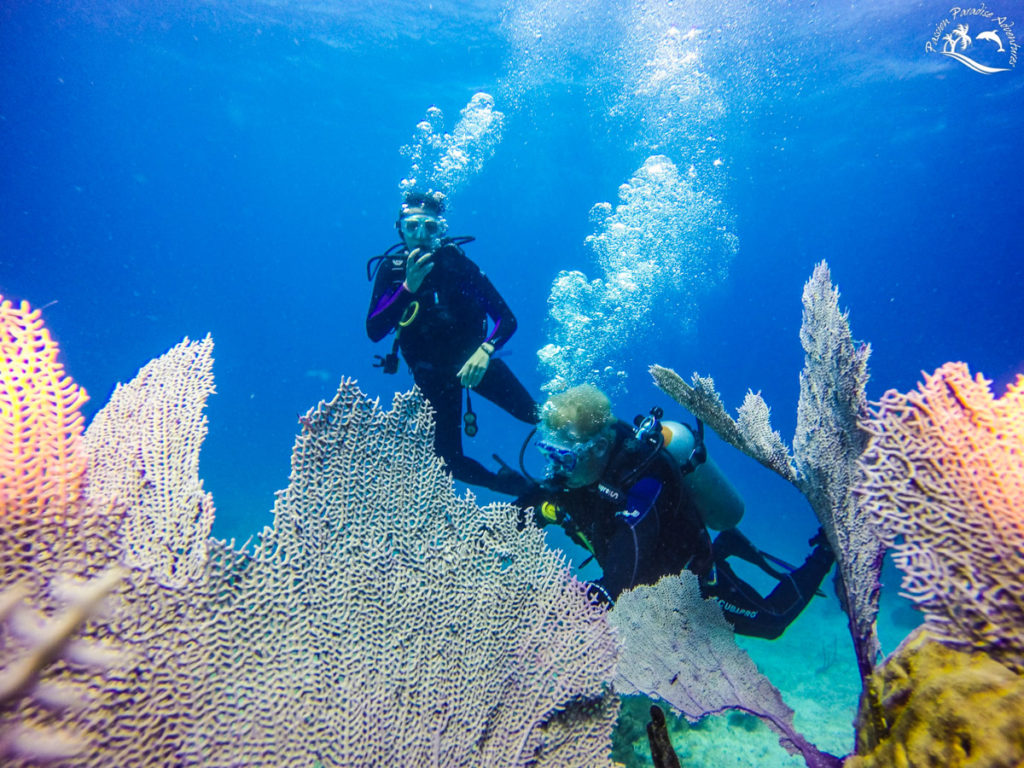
pixel 374 263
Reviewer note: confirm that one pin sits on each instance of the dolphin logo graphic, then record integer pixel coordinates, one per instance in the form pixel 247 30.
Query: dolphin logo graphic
pixel 988 34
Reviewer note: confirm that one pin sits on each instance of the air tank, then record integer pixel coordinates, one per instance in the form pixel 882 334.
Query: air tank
pixel 717 501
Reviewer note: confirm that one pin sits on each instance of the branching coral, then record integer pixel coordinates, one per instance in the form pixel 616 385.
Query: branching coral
pixel 751 432
pixel 143 449
pixel 829 441
pixel 41 464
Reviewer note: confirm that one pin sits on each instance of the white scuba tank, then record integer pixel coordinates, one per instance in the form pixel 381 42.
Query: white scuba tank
pixel 717 501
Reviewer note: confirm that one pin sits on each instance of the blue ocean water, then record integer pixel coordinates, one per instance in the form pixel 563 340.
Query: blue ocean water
pixel 195 167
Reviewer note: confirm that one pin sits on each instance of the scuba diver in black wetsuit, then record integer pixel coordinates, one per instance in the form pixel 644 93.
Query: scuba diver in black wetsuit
pixel 438 303
pixel 641 500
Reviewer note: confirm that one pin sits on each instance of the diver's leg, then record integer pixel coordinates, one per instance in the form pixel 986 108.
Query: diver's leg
pixel 793 594
pixel 741 604
pixel 445 395
pixel 501 387
pixel 768 617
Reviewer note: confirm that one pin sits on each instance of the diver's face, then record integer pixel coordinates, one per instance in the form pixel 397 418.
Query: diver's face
pixel 419 229
pixel 591 465
pixel 574 462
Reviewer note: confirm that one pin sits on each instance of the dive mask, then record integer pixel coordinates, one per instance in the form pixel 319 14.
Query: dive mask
pixel 563 458
pixel 411 225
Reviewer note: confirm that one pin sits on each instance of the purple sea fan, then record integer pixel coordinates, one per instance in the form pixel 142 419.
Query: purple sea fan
pixel 678 647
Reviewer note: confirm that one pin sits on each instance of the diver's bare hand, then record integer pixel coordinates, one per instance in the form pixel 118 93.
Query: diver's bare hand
pixel 417 267
pixel 473 371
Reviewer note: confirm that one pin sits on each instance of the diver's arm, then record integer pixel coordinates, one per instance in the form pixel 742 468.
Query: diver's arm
pixel 389 301
pixel 504 321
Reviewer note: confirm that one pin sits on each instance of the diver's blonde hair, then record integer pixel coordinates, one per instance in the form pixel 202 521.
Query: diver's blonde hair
pixel 584 410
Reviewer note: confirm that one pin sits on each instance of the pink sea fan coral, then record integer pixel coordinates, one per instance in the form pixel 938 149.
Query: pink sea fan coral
pixel 41 462
pixel 944 477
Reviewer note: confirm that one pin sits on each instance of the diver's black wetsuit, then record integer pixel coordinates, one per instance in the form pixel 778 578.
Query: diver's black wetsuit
pixel 640 523
pixel 439 327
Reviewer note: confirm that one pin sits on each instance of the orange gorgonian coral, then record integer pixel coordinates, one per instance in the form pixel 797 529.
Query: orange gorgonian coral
pixel 944 478
pixel 41 462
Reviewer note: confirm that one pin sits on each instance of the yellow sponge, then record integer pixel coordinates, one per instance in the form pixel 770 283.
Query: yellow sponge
pixel 931 705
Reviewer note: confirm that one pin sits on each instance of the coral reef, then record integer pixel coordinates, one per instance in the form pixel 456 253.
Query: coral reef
pixel 381 618
pixel 938 474
pixel 384 618
pixel 137 706
pixel 826 447
pixel 944 478
pixel 679 648
pixel 942 708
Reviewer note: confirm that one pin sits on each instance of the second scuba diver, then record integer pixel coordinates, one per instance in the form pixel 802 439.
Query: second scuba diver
pixel 437 302
pixel 641 500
